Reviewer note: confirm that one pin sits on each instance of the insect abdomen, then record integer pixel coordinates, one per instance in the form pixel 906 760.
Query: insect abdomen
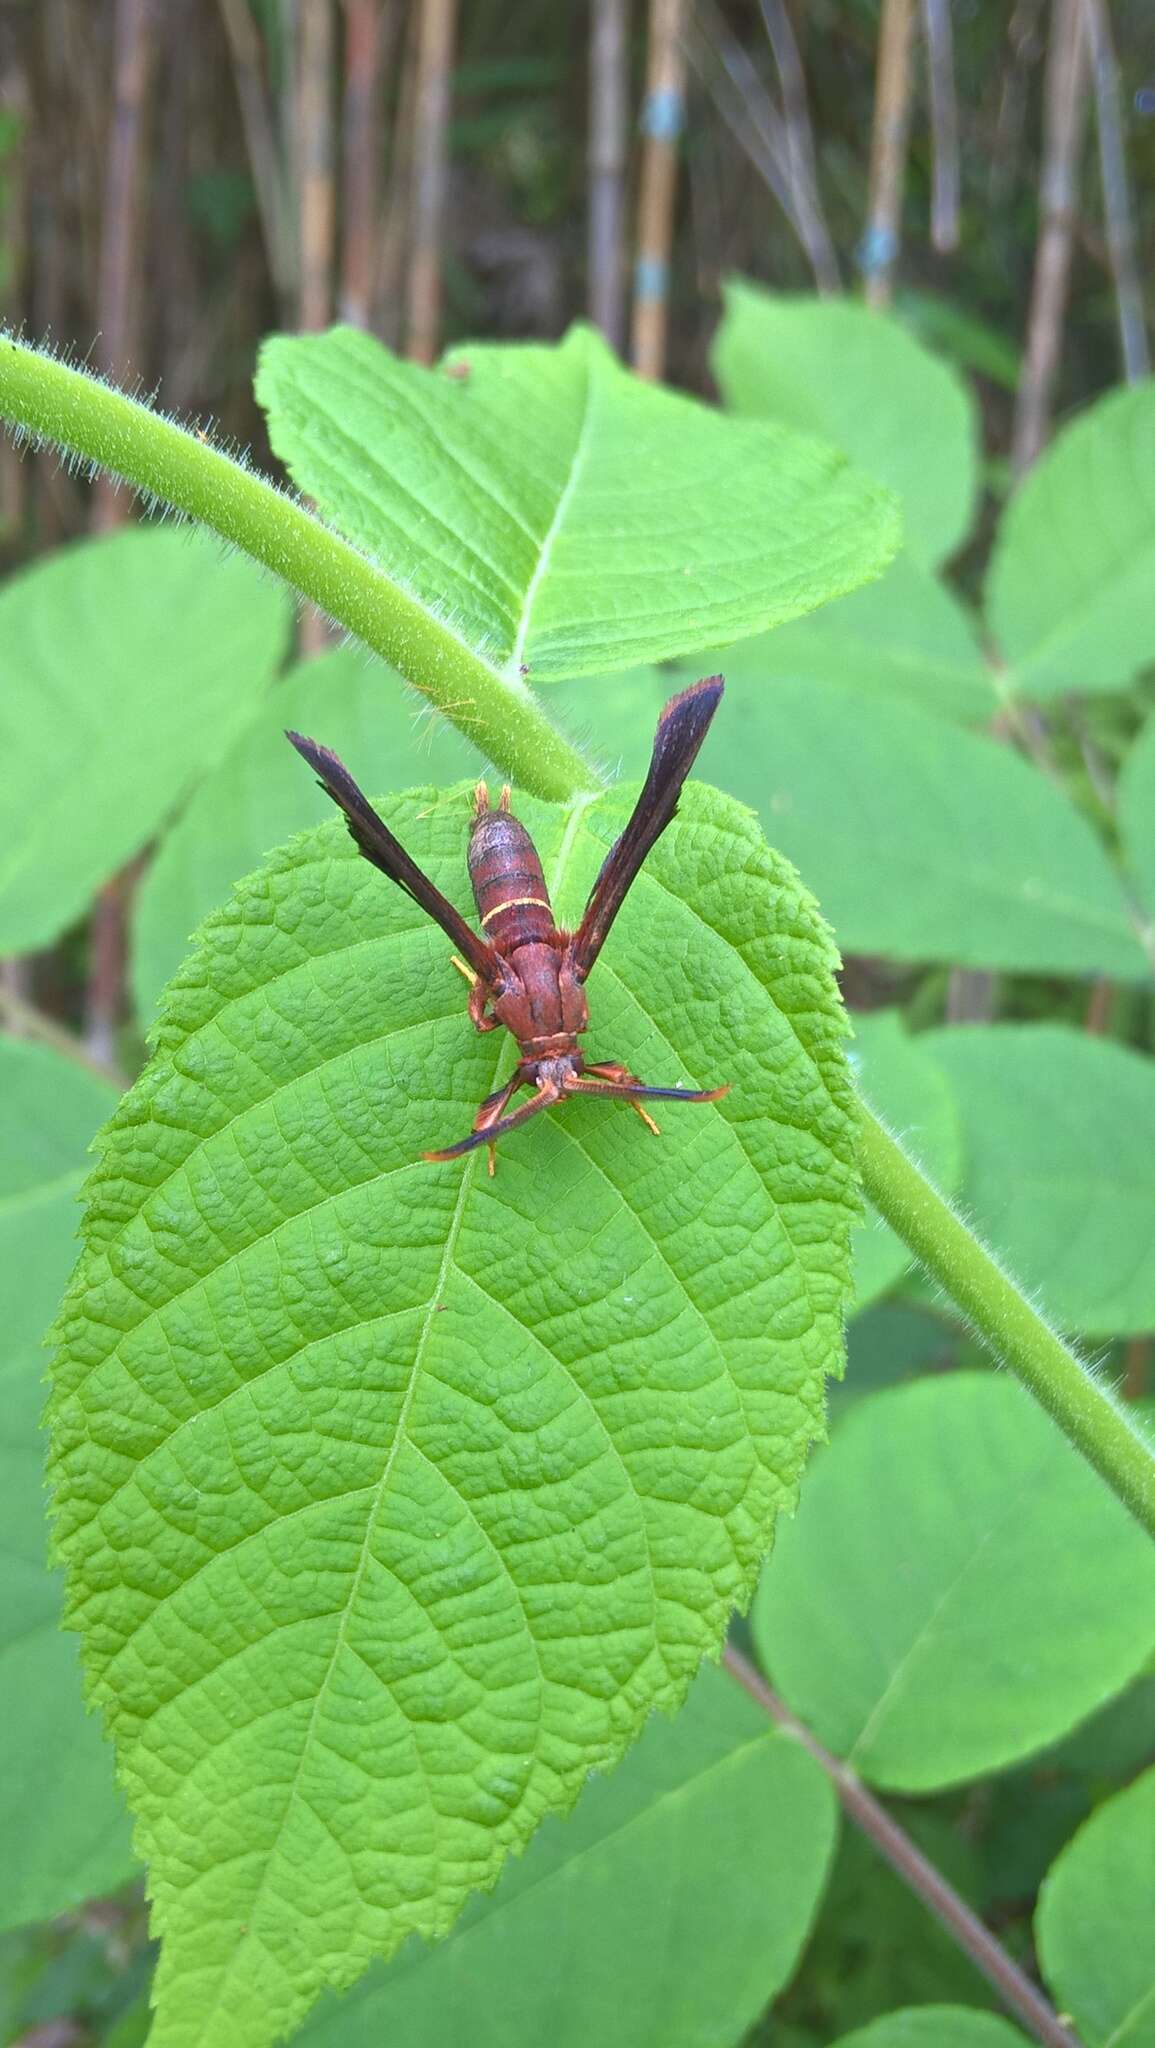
pixel 508 885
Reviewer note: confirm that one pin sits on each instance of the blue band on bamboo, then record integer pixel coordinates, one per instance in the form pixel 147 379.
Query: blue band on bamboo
pixel 878 247
pixel 662 113
pixel 650 277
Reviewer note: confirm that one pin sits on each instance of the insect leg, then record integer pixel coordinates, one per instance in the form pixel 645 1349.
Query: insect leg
pixel 610 1077
pixel 496 1125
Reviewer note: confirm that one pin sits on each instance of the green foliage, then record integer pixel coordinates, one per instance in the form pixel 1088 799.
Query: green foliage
pixel 560 518
pixel 937 1609
pixel 905 1086
pixel 1059 1139
pixel 903 637
pixel 1071 587
pixel 858 378
pixel 77 1982
pixel 1137 821
pixel 60 1813
pixel 922 841
pixel 654 1865
pixel 889 1342
pixel 936 2026
pixel 394 1499
pixel 1094 1921
pixel 258 797
pixel 129 664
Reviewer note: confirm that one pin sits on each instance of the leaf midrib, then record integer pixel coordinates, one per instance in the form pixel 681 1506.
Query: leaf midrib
pixel 546 546
pixel 446 1267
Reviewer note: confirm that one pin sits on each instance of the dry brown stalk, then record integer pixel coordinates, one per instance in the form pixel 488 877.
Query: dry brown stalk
pixel 663 112
pixel 608 158
pixel 430 177
pixel 1066 100
pixel 888 151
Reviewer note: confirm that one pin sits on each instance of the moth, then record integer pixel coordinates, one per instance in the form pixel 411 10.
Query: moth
pixel 524 973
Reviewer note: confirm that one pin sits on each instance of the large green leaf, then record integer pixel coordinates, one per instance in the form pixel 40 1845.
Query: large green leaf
pixel 958 1588
pixel 129 664
pixel 1071 587
pixel 394 1498
pixel 62 1820
pixel 936 2026
pixel 831 367
pixel 564 518
pixel 640 1905
pixel 1137 823
pixel 1094 1921
pixel 904 1084
pixel 903 637
pixel 1059 1141
pixel 920 840
pixel 258 795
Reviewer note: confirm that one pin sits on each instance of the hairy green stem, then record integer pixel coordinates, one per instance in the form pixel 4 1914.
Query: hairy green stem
pixel 86 417
pixel 1002 1316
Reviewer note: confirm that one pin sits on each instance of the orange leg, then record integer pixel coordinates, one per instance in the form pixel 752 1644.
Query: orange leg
pixel 489 1123
pixel 611 1070
pixel 478 996
pixel 610 1077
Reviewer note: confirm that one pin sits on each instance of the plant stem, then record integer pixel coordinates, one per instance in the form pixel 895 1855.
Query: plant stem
pixel 905 1857
pixel 498 713
pixel 1002 1316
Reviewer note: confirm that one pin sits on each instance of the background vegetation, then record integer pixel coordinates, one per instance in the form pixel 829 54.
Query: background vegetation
pixel 959 758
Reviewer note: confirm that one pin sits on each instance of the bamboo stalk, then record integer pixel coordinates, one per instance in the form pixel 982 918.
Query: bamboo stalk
pixel 1024 36
pixel 663 115
pixel 15 107
pixel 120 241
pixel 1116 192
pixel 608 157
pixel 944 204
pixel 313 140
pixel 117 309
pixel 1058 191
pixel 880 243
pixel 430 177
pixel 370 26
pixel 802 166
pixel 742 102
pixel 311 130
pixel 393 245
pixel 259 126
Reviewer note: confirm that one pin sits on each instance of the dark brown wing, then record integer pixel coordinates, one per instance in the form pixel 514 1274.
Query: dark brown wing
pixel 376 842
pixel 682 727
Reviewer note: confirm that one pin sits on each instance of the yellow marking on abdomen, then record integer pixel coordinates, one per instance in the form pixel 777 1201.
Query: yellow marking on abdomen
pixel 517 903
